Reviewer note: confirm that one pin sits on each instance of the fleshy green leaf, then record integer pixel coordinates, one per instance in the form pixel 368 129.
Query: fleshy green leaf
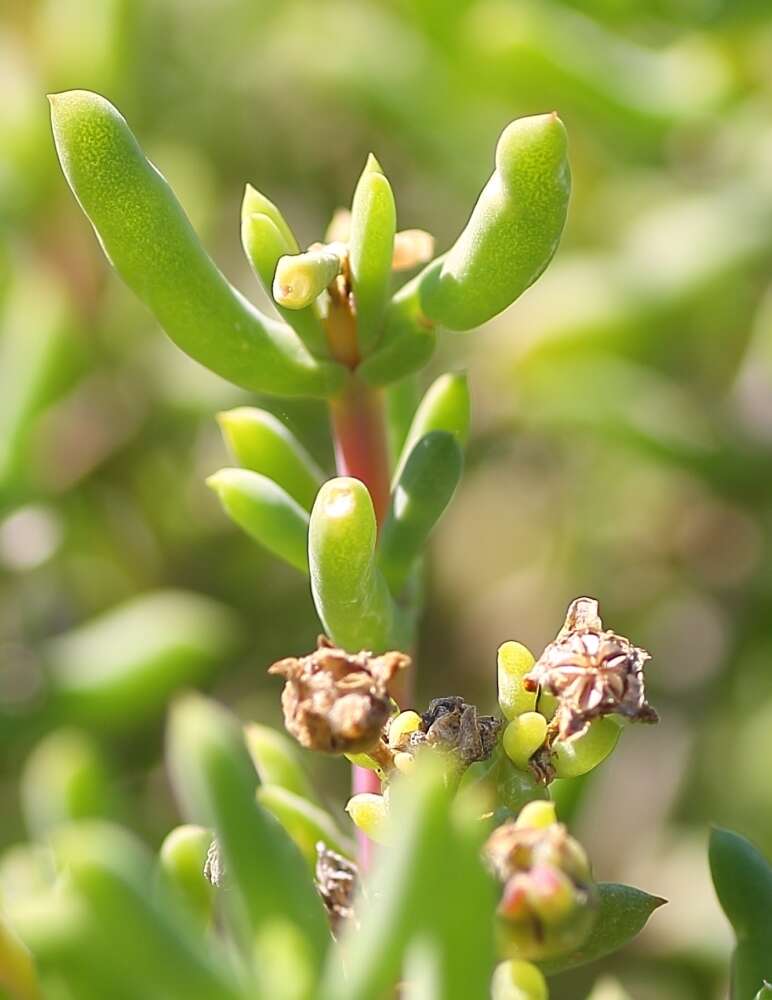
pixel 513 231
pixel 277 760
pixel 743 881
pixel 407 342
pixel 150 951
pixel 125 664
pixel 429 886
pixel 216 783
pixel 444 407
pixel 65 778
pixel 149 240
pixel 371 247
pixel 419 498
pixel 266 512
pixel 306 822
pixel 182 858
pixel 266 238
pixel 350 593
pixel 261 442
pixel 622 914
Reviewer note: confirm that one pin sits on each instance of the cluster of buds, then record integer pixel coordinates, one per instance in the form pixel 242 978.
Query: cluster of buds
pixel 549 899
pixel 565 710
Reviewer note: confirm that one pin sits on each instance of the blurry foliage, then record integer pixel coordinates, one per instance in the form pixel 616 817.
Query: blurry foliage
pixel 622 430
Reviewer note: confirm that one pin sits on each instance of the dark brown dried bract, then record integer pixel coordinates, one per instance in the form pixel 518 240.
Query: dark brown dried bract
pixel 335 878
pixel 335 701
pixel 452 725
pixel 591 672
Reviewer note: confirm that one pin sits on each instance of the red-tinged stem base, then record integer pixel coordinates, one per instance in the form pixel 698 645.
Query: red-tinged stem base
pixel 361 451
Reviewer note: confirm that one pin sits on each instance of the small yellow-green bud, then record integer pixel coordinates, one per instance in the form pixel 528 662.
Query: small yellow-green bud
pixel 402 725
pixel 404 762
pixel 523 737
pixel 301 278
pixel 368 812
pixel 514 662
pixel 517 980
pixel 550 893
pixel 536 815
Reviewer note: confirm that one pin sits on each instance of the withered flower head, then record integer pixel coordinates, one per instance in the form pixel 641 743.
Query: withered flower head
pixel 455 727
pixel 335 878
pixel 335 701
pixel 591 672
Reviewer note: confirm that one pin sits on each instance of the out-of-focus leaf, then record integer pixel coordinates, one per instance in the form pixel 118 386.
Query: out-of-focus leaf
pixel 419 498
pixel 430 885
pixel 150 951
pixel 182 859
pixel 18 977
pixel 445 406
pixel 277 760
pixel 623 912
pixel 304 821
pixel 65 778
pixel 36 350
pixel 262 443
pixel 216 783
pixel 743 882
pixel 266 512
pixel 123 666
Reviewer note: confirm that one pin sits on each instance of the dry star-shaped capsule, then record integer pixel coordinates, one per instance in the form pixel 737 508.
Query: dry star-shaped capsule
pixel 335 701
pixel 592 672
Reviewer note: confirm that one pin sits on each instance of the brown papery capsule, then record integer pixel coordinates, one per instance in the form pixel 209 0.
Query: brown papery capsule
pixel 592 672
pixel 335 701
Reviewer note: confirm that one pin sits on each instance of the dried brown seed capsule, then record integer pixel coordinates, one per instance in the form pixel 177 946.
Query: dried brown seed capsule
pixel 455 727
pixel 591 672
pixel 335 701
pixel 335 878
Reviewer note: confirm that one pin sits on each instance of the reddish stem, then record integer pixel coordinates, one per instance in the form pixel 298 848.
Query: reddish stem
pixel 361 451
pixel 359 433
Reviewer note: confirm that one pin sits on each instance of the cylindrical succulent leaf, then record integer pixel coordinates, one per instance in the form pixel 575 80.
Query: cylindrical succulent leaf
pixel 266 512
pixel 261 442
pixel 419 498
pixel 182 858
pixel 65 778
pixel 371 248
pixel 216 785
pixel 406 344
pixel 306 822
pixel 149 240
pixel 445 407
pixel 277 760
pixel 350 593
pixel 512 233
pixel 266 241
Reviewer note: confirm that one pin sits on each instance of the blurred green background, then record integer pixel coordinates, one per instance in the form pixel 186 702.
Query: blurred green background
pixel 622 440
